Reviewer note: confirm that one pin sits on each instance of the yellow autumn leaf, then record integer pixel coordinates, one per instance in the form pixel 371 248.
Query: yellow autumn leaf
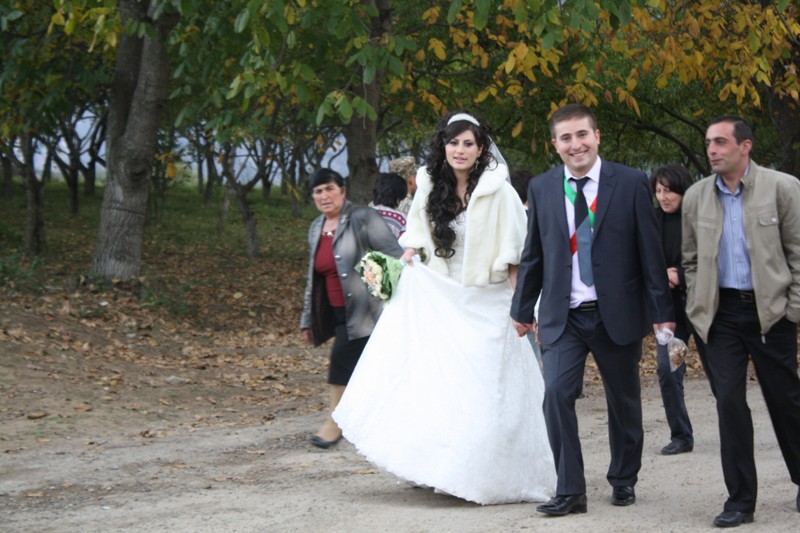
pixel 437 47
pixel 57 18
pixel 635 106
pixel 431 15
pixel 517 129
pixel 482 96
pixel 510 63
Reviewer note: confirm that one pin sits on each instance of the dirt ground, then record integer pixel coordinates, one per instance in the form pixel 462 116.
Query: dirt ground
pixel 143 429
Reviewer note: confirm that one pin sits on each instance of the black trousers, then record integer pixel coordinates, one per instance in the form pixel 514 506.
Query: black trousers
pixel 564 362
pixel 345 352
pixel 735 333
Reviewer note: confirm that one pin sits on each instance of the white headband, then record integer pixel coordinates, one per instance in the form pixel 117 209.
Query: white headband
pixel 463 116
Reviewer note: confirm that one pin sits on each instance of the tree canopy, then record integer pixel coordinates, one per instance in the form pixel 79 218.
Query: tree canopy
pixel 285 81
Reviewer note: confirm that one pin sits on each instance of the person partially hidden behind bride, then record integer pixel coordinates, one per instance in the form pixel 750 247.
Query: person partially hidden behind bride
pixel 445 394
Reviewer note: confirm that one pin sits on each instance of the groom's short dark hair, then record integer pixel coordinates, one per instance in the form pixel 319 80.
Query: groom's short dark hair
pixel 569 112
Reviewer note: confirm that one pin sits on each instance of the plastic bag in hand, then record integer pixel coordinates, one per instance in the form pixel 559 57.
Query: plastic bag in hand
pixel 676 348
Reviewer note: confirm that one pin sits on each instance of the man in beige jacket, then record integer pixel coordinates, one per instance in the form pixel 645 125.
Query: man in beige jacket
pixel 741 255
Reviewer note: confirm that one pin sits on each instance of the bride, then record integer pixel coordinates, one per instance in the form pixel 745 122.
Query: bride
pixel 446 395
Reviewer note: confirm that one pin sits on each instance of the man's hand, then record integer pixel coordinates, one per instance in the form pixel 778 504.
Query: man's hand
pixel 522 329
pixel 308 336
pixel 670 325
pixel 672 276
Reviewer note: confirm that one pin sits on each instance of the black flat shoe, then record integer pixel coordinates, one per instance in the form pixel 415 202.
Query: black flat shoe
pixel 676 447
pixel 319 442
pixel 564 505
pixel 733 519
pixel 623 496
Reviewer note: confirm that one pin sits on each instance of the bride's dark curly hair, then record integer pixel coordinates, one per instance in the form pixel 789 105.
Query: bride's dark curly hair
pixel 443 202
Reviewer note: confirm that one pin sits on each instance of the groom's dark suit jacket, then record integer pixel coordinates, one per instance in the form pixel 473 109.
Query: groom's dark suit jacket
pixel 629 270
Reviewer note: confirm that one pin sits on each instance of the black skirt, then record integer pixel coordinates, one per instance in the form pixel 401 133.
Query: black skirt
pixel 345 353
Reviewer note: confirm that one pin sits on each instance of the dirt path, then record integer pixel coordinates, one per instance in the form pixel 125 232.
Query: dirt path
pixel 264 477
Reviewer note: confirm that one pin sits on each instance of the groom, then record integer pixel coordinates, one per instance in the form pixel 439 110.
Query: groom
pixel 598 287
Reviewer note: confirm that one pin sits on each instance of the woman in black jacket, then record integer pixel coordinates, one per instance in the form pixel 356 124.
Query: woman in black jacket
pixel 669 185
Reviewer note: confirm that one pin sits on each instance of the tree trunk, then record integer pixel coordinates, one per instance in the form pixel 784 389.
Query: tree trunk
pixel 212 176
pixel 70 172
pixel 34 191
pixel 362 140
pixel 266 187
pixel 138 99
pixel 224 211
pixel 8 177
pixel 249 219
pixel 96 143
pixel 362 133
pixel 90 180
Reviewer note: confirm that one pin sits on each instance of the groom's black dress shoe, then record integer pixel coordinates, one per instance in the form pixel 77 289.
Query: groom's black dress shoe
pixel 733 519
pixel 564 505
pixel 676 447
pixel 623 496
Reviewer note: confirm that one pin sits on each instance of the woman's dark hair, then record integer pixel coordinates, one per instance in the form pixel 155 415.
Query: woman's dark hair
pixel 443 202
pixel 674 177
pixel 390 189
pixel 325 175
pixel 520 180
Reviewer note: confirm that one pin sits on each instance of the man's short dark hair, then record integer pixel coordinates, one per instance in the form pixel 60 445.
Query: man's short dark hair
pixel 569 112
pixel 741 129
pixel 390 189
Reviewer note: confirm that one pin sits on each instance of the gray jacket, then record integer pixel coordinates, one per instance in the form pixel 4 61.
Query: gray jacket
pixel 360 230
pixel 771 213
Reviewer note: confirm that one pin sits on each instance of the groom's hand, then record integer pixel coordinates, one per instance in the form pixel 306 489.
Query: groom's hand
pixel 522 329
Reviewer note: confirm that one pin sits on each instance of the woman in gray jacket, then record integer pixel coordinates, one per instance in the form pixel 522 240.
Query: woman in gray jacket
pixel 337 303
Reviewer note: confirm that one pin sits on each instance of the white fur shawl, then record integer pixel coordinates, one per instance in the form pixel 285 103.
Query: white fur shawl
pixel 496 228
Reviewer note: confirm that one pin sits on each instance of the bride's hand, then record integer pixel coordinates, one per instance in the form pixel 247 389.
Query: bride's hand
pixel 522 329
pixel 408 256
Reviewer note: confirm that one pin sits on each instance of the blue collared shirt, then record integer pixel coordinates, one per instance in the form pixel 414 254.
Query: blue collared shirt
pixel 734 259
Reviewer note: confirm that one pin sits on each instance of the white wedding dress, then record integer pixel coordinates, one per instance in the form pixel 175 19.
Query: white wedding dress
pixel 446 394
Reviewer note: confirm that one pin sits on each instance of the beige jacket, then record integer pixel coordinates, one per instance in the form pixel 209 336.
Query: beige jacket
pixel 496 228
pixel 771 212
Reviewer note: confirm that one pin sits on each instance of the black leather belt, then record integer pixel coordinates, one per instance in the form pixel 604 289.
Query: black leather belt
pixel 587 306
pixel 748 297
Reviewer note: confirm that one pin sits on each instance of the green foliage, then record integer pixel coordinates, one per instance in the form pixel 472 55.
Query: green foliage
pixel 18 271
pixel 170 295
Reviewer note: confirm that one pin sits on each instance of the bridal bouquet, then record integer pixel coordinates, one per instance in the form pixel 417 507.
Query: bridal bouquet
pixel 380 272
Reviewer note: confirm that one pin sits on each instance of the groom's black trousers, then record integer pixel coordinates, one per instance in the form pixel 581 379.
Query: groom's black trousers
pixel 564 362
